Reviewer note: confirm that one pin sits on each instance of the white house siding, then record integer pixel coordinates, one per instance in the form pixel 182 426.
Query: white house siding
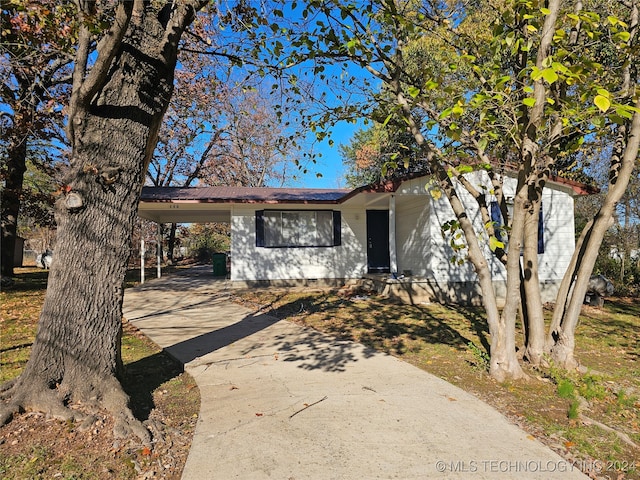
pixel 251 263
pixel 422 249
pixel 444 266
pixel 413 234
pixel 559 234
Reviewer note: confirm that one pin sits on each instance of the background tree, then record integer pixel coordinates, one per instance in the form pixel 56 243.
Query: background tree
pixel 376 154
pixel 253 148
pixel 202 240
pixel 37 39
pixel 222 127
pixel 36 209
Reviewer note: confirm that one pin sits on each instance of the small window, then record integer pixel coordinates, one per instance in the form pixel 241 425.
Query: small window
pixel 496 217
pixel 298 228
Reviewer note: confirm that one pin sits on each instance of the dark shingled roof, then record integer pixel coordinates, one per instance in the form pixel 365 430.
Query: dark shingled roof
pixel 268 195
pixel 242 195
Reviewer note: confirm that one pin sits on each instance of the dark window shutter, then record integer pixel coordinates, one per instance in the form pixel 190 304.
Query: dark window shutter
pixel 540 231
pixel 259 228
pixel 337 228
pixel 496 218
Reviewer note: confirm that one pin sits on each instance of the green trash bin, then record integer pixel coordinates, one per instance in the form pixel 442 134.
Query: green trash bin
pixel 219 264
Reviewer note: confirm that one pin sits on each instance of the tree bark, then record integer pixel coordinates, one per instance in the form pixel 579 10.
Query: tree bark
pixel 574 283
pixel 76 354
pixel 534 324
pixel 513 298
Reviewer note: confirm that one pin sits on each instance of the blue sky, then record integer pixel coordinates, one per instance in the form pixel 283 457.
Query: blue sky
pixel 330 163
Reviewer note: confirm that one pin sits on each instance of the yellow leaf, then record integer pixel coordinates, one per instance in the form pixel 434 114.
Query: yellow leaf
pixel 494 243
pixel 549 75
pixel 603 103
pixel 436 193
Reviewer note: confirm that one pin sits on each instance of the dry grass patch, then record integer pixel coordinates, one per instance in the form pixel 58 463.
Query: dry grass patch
pixel 165 398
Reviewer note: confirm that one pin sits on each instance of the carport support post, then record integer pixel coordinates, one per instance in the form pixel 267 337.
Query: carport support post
pixel 393 255
pixel 142 252
pixel 158 250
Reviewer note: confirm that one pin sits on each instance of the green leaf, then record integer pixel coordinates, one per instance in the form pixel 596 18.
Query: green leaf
pixel 545 11
pixel 550 75
pixel 445 113
pixel 502 80
pixel 602 102
pixel 536 74
pixel 529 102
pixel 509 39
pixel 624 113
pixel 431 85
pixel 414 91
pixel 622 37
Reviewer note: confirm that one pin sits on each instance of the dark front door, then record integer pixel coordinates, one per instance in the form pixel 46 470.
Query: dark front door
pixel 378 241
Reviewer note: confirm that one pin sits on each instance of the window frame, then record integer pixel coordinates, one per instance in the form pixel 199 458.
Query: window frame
pixel 264 237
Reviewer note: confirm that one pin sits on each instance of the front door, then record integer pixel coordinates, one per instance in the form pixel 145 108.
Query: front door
pixel 378 260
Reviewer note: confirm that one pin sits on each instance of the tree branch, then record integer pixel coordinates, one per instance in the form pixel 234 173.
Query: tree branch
pixel 107 48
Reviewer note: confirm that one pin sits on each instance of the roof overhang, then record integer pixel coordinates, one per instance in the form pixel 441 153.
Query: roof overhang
pixel 213 204
pixel 184 212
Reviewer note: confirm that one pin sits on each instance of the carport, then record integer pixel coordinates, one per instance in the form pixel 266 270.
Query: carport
pixel 177 205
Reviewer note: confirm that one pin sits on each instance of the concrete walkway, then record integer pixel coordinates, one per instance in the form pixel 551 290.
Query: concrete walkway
pixel 280 401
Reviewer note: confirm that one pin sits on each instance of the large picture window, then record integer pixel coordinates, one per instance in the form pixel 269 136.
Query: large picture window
pixel 297 228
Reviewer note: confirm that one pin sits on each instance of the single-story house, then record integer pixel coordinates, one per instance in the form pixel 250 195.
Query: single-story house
pixel 388 233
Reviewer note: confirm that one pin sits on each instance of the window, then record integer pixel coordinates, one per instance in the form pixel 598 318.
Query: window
pixel 496 217
pixel 298 228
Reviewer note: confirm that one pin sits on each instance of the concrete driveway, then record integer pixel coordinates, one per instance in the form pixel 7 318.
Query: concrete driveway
pixel 280 401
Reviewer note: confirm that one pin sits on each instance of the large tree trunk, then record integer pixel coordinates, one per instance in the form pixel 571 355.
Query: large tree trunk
pixel 507 361
pixel 15 168
pixel 76 354
pixel 534 317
